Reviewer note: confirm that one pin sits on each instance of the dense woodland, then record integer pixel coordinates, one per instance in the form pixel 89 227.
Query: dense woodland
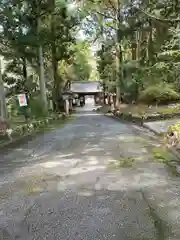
pixel 137 49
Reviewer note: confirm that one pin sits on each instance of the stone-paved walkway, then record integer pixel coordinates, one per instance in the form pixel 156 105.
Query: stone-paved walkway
pixel 60 185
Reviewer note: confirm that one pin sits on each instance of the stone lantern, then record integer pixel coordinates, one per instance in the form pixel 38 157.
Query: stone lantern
pixel 67 97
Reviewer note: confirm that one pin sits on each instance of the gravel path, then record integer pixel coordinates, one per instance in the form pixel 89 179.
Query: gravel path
pixel 60 185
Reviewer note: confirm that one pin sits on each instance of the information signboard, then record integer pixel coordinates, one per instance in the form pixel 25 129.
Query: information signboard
pixel 22 100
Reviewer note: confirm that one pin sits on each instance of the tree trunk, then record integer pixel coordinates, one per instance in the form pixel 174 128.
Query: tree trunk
pixel 150 49
pixel 56 87
pixel 2 96
pixel 119 60
pixel 41 73
pixel 134 50
pixel 138 42
pixel 100 21
pixel 24 69
pixel 42 81
pixel 24 65
pixel 25 76
pixel 142 47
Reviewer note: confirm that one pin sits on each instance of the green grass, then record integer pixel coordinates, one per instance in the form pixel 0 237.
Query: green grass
pixel 15 121
pixel 142 109
pixel 161 154
pixel 123 162
pixel 57 123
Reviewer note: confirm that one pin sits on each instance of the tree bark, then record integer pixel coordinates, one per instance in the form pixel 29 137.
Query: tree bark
pixel 42 81
pixel 2 96
pixel 42 75
pixel 25 76
pixel 119 59
pixel 100 21
pixel 134 49
pixel 24 64
pixel 150 49
pixel 56 87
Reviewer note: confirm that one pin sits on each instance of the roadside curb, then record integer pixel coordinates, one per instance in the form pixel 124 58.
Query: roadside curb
pixel 17 141
pixel 152 130
pixel 131 122
pixel 117 118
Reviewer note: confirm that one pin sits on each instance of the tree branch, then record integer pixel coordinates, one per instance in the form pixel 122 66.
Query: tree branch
pixel 90 21
pixel 112 6
pixel 104 15
pixel 159 19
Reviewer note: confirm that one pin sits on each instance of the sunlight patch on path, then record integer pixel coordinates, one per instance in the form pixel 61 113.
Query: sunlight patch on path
pixel 79 170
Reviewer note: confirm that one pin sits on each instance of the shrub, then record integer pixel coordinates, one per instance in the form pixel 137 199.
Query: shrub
pixel 36 107
pixel 173 136
pixel 160 94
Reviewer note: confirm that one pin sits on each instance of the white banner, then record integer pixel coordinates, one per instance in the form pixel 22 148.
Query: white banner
pixel 22 100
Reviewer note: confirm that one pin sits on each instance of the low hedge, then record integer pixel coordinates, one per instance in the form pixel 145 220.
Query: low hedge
pixel 145 117
pixel 31 127
pixel 160 94
pixel 128 117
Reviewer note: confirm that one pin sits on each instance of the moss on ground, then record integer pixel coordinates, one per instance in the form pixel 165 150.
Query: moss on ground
pixel 161 154
pixel 123 162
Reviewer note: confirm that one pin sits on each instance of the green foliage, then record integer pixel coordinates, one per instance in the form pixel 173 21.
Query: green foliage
pixel 25 25
pixel 155 45
pixel 106 65
pixel 160 94
pixel 130 90
pixel 81 68
pixel 174 128
pixel 36 108
pixel 149 48
pixel 24 111
pixel 33 110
